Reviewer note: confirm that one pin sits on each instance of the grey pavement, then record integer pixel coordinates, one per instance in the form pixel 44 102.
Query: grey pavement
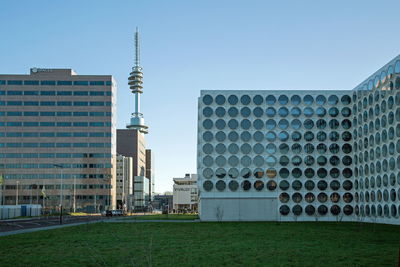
pixel 30 230
pixel 112 220
pixel 143 221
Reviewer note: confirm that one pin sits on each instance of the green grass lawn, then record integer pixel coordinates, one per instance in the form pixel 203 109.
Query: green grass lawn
pixel 205 244
pixel 164 217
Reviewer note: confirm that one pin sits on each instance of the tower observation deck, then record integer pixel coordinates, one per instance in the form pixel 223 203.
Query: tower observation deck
pixel 135 82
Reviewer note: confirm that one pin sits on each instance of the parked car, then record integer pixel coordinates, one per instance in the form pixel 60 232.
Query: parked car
pixel 109 213
pixel 117 213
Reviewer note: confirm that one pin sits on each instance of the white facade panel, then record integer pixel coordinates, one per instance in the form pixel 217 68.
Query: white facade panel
pixel 329 155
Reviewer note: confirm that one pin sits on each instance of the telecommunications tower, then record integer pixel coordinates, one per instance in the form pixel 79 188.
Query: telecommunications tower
pixel 135 84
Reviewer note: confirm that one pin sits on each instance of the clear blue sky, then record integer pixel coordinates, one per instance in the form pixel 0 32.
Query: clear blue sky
pixel 192 45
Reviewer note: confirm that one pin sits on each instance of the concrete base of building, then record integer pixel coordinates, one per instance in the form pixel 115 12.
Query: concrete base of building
pixel 266 209
pixel 238 209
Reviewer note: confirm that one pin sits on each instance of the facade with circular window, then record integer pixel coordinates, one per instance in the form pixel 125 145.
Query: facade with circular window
pixel 376 146
pixel 301 155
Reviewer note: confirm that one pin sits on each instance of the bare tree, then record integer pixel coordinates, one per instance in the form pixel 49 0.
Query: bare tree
pixel 219 213
pixel 316 216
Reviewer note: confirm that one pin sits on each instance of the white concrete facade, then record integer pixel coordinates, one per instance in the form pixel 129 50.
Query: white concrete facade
pixel 185 193
pixel 302 155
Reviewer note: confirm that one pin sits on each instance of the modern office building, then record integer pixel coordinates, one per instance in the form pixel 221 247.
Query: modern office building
pixel 162 203
pixel 124 183
pixel 131 141
pixel 150 174
pixel 329 155
pixel 57 130
pixel 185 193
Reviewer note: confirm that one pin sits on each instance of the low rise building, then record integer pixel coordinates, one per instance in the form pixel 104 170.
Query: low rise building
pixel 185 196
pixel 162 203
pixel 124 182
pixel 141 194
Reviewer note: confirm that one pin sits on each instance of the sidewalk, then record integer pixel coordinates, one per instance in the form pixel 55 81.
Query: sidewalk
pixel 30 230
pixel 112 220
pixel 143 221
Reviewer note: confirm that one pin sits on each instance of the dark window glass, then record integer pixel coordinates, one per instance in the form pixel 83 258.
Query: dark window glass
pixel 233 112
pixel 220 112
pixel 309 148
pixel 47 82
pixel 245 100
pixel 208 185
pixel 270 112
pixel 246 185
pixel 84 83
pixel 333 112
pixel 283 100
pixel 346 100
pixel 270 100
pixel 220 99
pixel 322 185
pixel 322 210
pixel 208 124
pixel 320 112
pixel 220 124
pixel 321 124
pixel 284 210
pixel 258 112
pixel 233 100
pixel 245 112
pixel 308 124
pixel 309 185
pixel 233 124
pixel 321 148
pixel 258 185
pixel 14 82
pixel 207 112
pixel 309 172
pixel 308 100
pixel 271 185
pixel 284 173
pixel 333 100
pixel 31 82
pixel 207 100
pixel 321 100
pixel 283 112
pixel 322 173
pixel 297 185
pixel 310 210
pixel 64 82
pixel 258 100
pixel 284 185
pixel 295 100
pixel 309 136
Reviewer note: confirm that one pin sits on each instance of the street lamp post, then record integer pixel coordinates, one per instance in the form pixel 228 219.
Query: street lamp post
pixel 61 190
pixel 30 197
pixel 16 199
pixel 74 203
pixel 2 202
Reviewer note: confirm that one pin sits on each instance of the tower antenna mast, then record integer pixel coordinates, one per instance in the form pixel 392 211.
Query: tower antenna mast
pixel 135 82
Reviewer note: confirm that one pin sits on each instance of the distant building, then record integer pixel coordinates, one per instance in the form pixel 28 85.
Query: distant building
pixel 185 198
pixel 163 202
pixel 124 182
pixel 150 171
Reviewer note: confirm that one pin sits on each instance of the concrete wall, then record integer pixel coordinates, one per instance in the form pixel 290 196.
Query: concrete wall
pixel 238 209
